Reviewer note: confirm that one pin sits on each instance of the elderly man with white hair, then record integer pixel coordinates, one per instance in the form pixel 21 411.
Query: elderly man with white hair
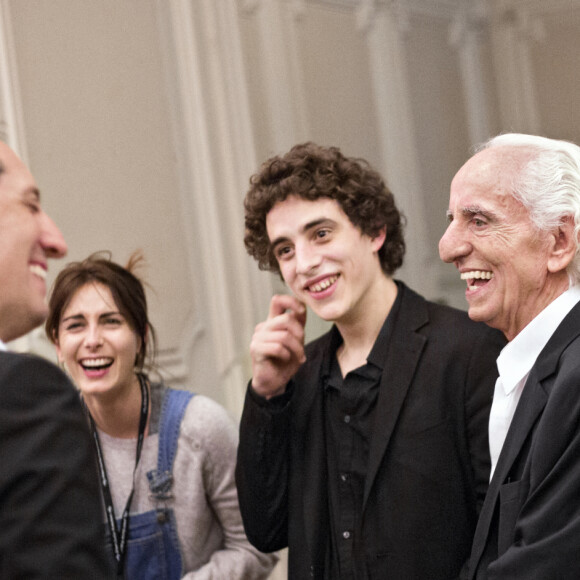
pixel 514 217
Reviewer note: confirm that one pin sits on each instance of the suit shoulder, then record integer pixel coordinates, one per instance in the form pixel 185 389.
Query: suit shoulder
pixel 11 362
pixel 449 317
pixel 25 372
pixel 454 315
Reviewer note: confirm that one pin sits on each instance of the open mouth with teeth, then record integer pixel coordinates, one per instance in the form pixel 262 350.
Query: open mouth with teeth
pixel 96 364
pixel 476 278
pixel 38 271
pixel 322 285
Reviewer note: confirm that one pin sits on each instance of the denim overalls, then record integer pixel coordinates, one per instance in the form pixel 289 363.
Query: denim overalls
pixel 153 546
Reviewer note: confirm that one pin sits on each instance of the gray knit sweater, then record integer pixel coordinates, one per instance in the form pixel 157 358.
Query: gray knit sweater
pixel 209 525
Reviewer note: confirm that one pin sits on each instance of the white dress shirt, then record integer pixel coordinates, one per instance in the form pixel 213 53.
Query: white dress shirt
pixel 515 363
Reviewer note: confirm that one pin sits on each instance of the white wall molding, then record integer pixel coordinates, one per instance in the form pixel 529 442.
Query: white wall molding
pixel 11 124
pixel 473 18
pixel 514 30
pixel 448 8
pixel 215 146
pixel 537 7
pixel 437 9
pixel 468 34
pixel 433 8
pixel 286 109
pixel 369 10
pixel 397 138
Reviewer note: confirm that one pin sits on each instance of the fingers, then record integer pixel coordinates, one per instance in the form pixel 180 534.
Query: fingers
pixel 282 345
pixel 282 303
pixel 285 323
pixel 277 347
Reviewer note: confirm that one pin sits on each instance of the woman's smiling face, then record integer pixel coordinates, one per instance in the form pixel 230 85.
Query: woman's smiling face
pixel 96 343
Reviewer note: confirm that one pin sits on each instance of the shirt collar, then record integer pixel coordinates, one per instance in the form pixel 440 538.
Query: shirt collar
pixel 2 346
pixel 378 352
pixel 377 355
pixel 518 356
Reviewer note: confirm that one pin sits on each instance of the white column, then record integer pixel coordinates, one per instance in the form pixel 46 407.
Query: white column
pixel 385 27
pixel 215 145
pixel 467 35
pixel 514 32
pixel 11 127
pixel 285 109
pixel 12 131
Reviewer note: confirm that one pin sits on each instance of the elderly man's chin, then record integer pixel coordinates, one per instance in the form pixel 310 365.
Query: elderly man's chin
pixel 486 314
pixel 480 310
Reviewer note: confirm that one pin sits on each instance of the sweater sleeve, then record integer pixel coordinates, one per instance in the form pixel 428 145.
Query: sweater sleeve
pixel 217 436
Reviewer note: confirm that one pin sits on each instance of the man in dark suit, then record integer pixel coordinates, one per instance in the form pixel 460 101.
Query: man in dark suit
pixel 513 234
pixel 50 516
pixel 365 452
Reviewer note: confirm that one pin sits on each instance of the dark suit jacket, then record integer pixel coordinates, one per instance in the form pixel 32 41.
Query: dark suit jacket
pixel 50 511
pixel 530 523
pixel 428 462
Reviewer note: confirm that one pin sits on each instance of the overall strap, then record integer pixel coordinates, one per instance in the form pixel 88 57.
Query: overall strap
pixel 172 411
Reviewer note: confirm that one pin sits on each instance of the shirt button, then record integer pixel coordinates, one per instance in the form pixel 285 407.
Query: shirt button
pixel 344 476
pixel 346 535
pixel 347 418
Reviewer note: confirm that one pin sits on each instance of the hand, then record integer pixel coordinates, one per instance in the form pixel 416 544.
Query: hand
pixel 277 347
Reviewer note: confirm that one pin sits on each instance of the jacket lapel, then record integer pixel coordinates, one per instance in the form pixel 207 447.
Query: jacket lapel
pixel 529 408
pixel 404 352
pixel 310 411
pixel 533 400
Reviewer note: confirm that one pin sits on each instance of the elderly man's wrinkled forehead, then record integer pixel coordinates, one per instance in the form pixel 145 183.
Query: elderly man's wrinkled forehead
pixel 496 168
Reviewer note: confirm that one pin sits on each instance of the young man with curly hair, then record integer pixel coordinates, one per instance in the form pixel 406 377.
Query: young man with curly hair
pixel 366 451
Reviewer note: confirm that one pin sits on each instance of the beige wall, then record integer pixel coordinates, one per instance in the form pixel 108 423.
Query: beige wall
pixel 143 120
pixel 109 117
pixel 126 104
pixel 99 143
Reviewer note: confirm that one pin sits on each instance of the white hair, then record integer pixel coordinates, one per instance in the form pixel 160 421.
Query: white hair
pixel 548 185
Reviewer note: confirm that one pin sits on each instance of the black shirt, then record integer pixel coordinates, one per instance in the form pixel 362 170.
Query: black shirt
pixel 350 404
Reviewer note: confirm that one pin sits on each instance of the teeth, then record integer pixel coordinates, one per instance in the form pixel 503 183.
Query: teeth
pixel 324 284
pixel 38 271
pixel 97 362
pixel 477 275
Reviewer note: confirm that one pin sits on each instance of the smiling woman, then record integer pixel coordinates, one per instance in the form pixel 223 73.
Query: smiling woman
pixel 166 457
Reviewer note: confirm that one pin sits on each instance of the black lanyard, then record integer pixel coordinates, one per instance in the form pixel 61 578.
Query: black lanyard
pixel 119 537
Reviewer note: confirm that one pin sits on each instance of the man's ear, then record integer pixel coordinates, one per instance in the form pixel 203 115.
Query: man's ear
pixel 379 239
pixel 564 245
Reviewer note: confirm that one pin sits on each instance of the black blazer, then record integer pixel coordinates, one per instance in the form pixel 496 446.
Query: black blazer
pixel 429 457
pixel 50 511
pixel 530 522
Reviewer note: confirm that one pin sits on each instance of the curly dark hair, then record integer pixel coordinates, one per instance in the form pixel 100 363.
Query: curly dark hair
pixel 310 171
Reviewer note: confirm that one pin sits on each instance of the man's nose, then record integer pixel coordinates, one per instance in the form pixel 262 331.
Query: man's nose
pixel 52 240
pixel 307 258
pixel 453 244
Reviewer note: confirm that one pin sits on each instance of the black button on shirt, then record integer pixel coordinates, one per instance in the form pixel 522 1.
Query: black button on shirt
pixel 350 404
